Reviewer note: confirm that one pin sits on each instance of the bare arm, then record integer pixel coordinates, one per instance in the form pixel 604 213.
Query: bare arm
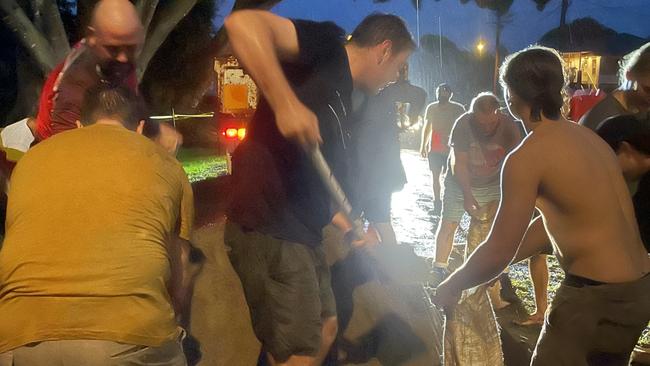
pixel 460 168
pixel 535 241
pixel 518 195
pixel 426 132
pixel 261 40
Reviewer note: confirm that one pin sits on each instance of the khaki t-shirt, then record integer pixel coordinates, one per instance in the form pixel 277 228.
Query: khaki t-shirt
pixel 85 255
pixel 486 154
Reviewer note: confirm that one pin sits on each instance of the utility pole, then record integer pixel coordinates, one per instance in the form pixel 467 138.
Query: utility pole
pixel 564 34
pixel 496 52
pixel 417 20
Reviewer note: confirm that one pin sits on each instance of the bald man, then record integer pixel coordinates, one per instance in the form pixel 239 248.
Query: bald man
pixel 106 55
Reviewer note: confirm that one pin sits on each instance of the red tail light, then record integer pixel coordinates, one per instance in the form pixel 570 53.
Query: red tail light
pixel 234 133
pixel 230 133
pixel 241 133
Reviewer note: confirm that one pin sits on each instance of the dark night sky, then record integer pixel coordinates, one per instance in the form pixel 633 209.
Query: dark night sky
pixel 464 24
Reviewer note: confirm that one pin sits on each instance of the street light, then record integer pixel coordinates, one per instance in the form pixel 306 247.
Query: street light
pixel 480 46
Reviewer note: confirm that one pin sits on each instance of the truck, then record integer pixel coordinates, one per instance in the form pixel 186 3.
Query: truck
pixel 237 98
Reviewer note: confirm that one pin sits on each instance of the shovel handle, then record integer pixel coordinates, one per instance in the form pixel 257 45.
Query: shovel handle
pixel 334 188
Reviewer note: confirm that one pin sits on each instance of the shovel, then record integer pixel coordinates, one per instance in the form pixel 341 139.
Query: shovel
pixel 396 263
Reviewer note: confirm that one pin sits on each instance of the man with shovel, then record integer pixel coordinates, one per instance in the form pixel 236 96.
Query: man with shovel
pixel 279 204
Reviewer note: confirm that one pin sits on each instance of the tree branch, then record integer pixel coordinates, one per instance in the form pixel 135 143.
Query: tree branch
pixel 167 21
pixel 32 40
pixel 37 8
pixel 53 28
pixel 146 10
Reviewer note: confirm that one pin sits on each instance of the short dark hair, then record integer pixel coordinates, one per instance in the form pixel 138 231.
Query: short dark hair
pixel 484 102
pixel 536 75
pixel 378 27
pixel 441 87
pixel 633 129
pixel 636 63
pixel 106 101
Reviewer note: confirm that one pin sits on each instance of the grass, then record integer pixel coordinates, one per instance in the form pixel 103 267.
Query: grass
pixel 200 164
pixel 520 278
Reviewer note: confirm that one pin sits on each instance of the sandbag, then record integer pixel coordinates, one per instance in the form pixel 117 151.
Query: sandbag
pixel 471 335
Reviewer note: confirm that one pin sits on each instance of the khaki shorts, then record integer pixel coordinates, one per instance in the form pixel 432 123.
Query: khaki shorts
pixel 94 353
pixel 453 201
pixel 287 287
pixel 594 324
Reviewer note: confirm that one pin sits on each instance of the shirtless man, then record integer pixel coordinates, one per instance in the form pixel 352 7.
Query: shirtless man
pixel 603 305
pixel 439 120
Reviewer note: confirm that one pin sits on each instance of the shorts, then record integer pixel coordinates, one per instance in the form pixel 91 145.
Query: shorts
pixel 437 160
pixel 287 287
pixel 593 324
pixel 453 201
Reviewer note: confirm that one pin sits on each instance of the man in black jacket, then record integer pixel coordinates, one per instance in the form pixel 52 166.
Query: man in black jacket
pixel 306 73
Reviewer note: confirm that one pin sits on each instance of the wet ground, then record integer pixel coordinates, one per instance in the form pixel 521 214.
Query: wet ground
pixel 415 225
pixel 412 208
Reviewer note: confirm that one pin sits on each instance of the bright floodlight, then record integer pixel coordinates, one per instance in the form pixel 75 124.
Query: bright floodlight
pixel 480 46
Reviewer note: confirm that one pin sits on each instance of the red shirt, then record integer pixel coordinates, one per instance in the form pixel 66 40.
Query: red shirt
pixel 582 102
pixel 64 90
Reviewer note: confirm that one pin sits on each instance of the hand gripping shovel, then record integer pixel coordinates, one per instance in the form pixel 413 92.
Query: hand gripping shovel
pixel 397 263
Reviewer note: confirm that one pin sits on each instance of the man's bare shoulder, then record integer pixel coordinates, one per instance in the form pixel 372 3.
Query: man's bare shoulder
pixel 527 154
pixel 457 105
pixel 432 105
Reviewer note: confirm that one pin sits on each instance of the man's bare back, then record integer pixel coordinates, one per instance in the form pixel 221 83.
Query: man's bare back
pixel 585 203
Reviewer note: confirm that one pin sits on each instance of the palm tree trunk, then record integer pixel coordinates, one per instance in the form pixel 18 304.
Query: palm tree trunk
pixel 169 18
pixel 31 39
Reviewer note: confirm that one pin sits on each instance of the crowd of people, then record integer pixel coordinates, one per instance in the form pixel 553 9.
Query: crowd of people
pixel 95 265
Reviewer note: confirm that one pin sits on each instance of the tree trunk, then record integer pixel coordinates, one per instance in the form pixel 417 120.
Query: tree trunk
pixel 31 39
pixel 30 82
pixel 47 20
pixel 146 9
pixel 53 29
pixel 167 21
